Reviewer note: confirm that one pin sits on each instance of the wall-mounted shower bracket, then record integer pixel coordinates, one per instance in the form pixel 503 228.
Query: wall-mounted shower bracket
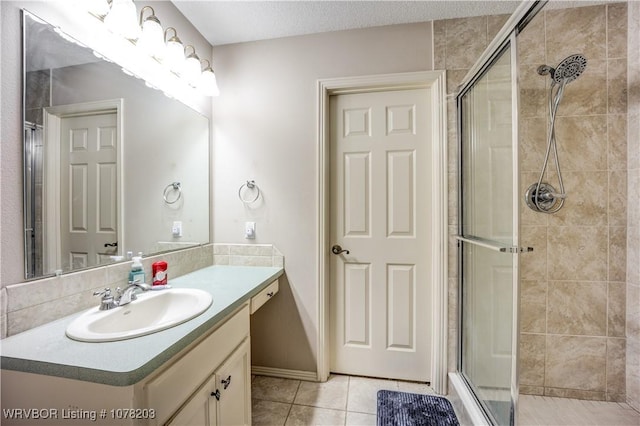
pixel 542 197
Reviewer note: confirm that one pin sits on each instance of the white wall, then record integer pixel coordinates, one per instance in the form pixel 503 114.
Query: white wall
pixel 11 215
pixel 265 128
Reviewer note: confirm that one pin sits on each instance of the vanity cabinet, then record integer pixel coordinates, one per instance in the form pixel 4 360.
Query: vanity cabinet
pixel 204 382
pixel 225 398
pixel 209 382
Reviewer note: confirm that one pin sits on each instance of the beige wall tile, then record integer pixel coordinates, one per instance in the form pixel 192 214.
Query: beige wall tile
pixel 532 354
pixel 582 142
pixel 576 30
pixel 533 306
pixel 617 85
pixel 533 92
pixel 439 45
pixel 533 144
pixel 575 394
pixel 616 30
pixel 633 254
pixel 633 311
pixel 617 141
pixel 494 25
pixel 578 308
pixel 576 363
pixel 617 253
pixel 616 364
pixel 466 39
pixel 531 390
pixel 586 202
pixel 534 264
pixel 578 253
pixel 633 139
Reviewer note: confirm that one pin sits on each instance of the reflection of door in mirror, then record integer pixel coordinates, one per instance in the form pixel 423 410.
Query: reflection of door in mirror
pixel 88 189
pixel 82 143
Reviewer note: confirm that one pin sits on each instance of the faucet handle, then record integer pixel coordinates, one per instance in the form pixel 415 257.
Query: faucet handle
pixel 106 292
pixel 107 301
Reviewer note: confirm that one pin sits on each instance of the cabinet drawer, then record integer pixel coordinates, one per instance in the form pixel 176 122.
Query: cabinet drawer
pixel 263 297
pixel 166 392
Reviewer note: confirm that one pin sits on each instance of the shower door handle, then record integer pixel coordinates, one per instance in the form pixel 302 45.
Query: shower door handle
pixel 336 249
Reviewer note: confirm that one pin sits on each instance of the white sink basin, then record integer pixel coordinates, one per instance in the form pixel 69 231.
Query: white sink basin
pixel 152 311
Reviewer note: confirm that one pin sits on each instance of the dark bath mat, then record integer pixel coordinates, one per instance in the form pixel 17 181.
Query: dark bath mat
pixel 410 409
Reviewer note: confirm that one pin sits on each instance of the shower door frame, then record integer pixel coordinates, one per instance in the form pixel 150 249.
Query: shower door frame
pixel 507 47
pixel 505 39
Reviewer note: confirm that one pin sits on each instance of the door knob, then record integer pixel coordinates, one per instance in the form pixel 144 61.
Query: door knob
pixel 336 249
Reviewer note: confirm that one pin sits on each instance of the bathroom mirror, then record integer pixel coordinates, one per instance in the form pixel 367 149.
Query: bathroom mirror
pixel 111 165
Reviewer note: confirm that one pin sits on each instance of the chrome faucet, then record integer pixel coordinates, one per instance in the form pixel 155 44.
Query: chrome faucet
pixel 128 295
pixel 108 301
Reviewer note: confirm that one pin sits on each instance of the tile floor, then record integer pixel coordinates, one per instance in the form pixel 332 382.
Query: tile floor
pixel 544 410
pixel 349 400
pixel 342 400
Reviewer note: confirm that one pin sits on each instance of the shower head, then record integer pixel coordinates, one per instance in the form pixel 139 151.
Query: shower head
pixel 569 69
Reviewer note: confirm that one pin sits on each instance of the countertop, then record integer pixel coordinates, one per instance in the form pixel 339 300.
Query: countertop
pixel 47 350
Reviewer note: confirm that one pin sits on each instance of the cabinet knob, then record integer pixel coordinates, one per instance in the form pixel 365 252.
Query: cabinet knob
pixel 216 394
pixel 226 382
pixel 270 294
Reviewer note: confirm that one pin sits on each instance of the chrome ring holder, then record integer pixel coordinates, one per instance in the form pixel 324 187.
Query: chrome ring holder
pixel 172 187
pixel 250 185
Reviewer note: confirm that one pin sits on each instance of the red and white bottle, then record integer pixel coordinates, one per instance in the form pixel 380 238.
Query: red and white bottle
pixel 159 272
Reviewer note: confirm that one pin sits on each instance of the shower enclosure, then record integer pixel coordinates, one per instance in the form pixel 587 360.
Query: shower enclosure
pixel 488 229
pixel 548 322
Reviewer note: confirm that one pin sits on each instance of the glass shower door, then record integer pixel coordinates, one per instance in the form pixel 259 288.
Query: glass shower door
pixel 488 238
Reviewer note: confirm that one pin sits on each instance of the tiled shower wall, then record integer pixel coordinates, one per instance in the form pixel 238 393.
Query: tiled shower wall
pixel 633 225
pixel 457 45
pixel 573 285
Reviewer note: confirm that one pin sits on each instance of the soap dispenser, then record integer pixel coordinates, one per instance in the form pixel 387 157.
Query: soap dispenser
pixel 137 272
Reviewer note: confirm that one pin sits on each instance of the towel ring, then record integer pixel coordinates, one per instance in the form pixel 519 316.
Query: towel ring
pixel 251 184
pixel 176 187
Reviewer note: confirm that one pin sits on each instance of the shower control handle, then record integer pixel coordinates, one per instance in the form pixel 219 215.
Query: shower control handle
pixel 336 249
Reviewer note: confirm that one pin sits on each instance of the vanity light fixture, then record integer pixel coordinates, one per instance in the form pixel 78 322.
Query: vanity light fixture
pixel 122 19
pixel 208 83
pixel 191 68
pixel 174 53
pixel 151 38
pixel 166 64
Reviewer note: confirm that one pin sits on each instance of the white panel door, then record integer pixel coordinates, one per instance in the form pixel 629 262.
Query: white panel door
pixel 380 213
pixel 88 149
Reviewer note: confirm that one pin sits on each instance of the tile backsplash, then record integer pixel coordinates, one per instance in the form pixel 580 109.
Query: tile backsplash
pixel 247 255
pixel 29 304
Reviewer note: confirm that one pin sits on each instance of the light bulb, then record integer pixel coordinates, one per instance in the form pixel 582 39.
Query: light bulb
pixel 191 68
pixel 151 39
pixel 174 51
pixel 208 84
pixel 122 19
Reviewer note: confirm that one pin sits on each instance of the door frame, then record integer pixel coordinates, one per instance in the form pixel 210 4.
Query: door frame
pixel 52 122
pixel 436 82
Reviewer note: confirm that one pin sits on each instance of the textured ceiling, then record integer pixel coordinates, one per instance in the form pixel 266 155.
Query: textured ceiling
pixel 225 22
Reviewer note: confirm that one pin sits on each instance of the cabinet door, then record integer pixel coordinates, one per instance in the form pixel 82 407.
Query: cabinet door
pixel 233 380
pixel 200 410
